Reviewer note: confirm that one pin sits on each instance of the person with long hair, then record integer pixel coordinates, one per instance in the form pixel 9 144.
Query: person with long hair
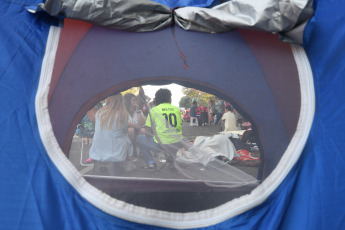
pixel 111 145
pixel 136 117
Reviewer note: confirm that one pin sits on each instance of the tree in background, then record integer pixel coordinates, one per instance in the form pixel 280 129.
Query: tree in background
pixel 185 102
pixel 201 97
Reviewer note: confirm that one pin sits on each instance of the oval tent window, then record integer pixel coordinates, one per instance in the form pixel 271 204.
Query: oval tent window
pixel 251 74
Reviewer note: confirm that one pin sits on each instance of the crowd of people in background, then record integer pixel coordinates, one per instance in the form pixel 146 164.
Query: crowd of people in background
pixel 217 112
pixel 127 127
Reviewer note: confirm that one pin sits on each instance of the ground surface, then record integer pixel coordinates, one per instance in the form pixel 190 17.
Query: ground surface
pixel 179 199
pixel 79 153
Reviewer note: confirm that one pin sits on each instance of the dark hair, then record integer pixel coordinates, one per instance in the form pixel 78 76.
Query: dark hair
pixel 127 99
pixel 229 107
pixel 162 96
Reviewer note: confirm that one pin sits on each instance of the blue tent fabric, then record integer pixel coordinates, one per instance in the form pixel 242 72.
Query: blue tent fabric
pixel 197 3
pixel 34 195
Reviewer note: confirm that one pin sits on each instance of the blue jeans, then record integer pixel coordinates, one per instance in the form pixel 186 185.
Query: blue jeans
pixel 219 116
pixel 147 144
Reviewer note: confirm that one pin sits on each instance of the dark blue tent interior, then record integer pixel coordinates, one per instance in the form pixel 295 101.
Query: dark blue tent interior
pixel 253 70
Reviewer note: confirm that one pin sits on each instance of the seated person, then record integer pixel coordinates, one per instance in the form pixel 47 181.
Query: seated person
pixel 163 130
pixel 186 117
pixel 229 119
pixel 111 145
pixel 193 109
pixel 136 118
pixel 248 135
pixel 85 130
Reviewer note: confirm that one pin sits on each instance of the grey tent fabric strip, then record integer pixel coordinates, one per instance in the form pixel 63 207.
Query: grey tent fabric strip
pixel 132 15
pixel 269 15
pixel 274 16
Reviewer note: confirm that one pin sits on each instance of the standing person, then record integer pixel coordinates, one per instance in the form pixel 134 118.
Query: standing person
pixel 205 116
pixel 200 116
pixel 219 107
pixel 226 103
pixel 163 129
pixel 111 145
pixel 211 110
pixel 193 109
pixel 136 118
pixel 142 101
pixel 229 119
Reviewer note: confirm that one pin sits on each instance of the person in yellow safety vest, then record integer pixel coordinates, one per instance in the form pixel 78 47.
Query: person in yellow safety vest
pixel 163 129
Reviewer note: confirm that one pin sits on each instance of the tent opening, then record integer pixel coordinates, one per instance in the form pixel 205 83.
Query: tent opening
pixel 258 77
pixel 218 151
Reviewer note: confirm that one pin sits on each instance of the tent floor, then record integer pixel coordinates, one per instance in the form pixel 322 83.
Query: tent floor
pixel 168 189
pixel 181 202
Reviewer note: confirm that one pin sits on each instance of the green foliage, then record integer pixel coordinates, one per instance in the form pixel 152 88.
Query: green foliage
pixel 185 102
pixel 201 97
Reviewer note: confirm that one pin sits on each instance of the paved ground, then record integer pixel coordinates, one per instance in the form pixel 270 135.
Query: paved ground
pixel 191 132
pixel 79 152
